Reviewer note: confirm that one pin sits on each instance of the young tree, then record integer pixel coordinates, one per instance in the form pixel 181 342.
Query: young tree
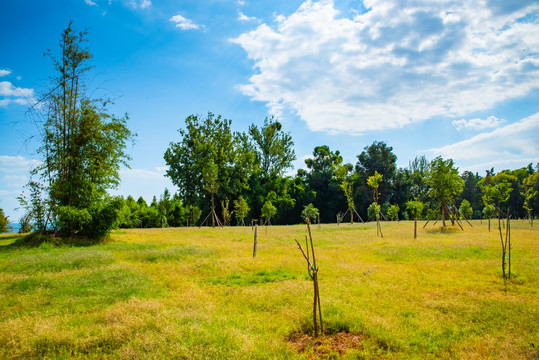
pixel 82 147
pixel 488 211
pixel 241 208
pixel 268 211
pixel 444 182
pixel 465 209
pixel 393 212
pixel 415 209
pixel 374 183
pixel 342 173
pixel 497 191
pixel 227 214
pixel 310 212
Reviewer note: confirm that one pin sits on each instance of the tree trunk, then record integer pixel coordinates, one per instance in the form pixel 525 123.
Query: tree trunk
pixel 443 215
pixel 415 228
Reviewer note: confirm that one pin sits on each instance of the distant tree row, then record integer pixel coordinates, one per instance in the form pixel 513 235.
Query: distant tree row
pixel 216 169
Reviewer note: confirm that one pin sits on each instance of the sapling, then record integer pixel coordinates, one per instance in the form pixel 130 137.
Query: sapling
pixel 313 274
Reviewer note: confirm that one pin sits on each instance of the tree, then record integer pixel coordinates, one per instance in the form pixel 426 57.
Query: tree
pixel 530 193
pixel 393 212
pixel 496 192
pixel 227 214
pixel 81 146
pixel 209 159
pixel 465 209
pixel 374 183
pixel 310 212
pixel 444 182
pixel 274 148
pixel 321 178
pixel 268 211
pixel 4 221
pixel 241 208
pixel 347 180
pixel 415 209
pixel 488 211
pixel 380 158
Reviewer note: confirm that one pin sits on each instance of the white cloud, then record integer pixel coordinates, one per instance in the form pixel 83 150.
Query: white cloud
pixel 477 124
pixel 12 94
pixel 4 72
pixel 145 3
pixel 399 62
pixel 245 18
pixel 16 164
pixel 90 2
pixel 514 143
pixel 183 23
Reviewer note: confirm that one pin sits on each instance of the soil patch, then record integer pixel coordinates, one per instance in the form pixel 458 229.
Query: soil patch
pixel 326 346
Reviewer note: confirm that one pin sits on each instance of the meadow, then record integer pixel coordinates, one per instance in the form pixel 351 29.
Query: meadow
pixel 198 293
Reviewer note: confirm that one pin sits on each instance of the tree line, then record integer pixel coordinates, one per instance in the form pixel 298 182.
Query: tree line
pixel 228 177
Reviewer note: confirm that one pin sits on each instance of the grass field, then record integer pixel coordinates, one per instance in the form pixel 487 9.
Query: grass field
pixel 191 293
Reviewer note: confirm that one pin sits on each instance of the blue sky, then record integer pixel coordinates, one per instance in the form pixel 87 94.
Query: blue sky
pixel 453 78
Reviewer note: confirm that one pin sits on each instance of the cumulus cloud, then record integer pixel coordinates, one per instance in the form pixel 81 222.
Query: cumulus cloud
pixel 4 72
pixel 245 18
pixel 397 63
pixel 183 23
pixel 477 124
pixel 145 3
pixel 12 94
pixel 514 143
pixel 90 2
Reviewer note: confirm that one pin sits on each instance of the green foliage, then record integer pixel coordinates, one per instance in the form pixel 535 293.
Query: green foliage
pixel 227 214
pixel 373 211
pixel 415 209
pixel 274 148
pixel 531 183
pixel 82 148
pixel 393 212
pixel 310 212
pixel 268 211
pixel 209 158
pixel 465 209
pixel 444 180
pixel 488 211
pixel 322 180
pixel 497 189
pixel 3 221
pixel 374 183
pixel 241 208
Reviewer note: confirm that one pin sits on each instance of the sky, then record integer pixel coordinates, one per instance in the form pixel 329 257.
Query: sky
pixel 451 78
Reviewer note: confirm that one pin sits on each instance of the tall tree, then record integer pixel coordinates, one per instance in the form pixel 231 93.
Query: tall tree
pixel 444 182
pixel 82 147
pixel 376 157
pixel 274 148
pixel 210 159
pixel 321 178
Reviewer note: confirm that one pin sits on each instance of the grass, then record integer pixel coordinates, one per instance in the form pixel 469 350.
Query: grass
pixel 192 293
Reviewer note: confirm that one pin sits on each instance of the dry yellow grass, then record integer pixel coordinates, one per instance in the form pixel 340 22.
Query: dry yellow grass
pixel 199 294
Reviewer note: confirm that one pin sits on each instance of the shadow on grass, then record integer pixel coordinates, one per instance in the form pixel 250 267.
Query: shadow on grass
pixel 442 230
pixel 35 240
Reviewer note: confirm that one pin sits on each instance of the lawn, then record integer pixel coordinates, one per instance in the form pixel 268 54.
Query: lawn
pixel 191 293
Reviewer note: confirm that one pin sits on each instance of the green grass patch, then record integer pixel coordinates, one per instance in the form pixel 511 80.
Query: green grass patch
pixel 417 253
pixel 49 259
pixel 253 278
